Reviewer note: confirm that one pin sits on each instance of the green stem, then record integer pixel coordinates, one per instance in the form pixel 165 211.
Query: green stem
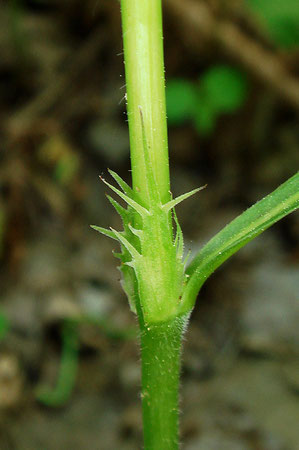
pixel 160 343
pixel 160 354
pixel 144 67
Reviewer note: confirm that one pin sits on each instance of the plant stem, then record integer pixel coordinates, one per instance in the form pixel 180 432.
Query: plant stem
pixel 144 67
pixel 160 342
pixel 160 354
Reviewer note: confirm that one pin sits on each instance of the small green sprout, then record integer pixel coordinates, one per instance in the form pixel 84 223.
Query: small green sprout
pixel 220 90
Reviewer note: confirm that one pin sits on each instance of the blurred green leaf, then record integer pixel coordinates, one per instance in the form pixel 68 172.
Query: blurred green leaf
pixel 66 168
pixel 221 90
pixel 58 152
pixel 281 18
pixel 224 88
pixel 68 369
pixel 181 100
pixel 204 118
pixel 4 326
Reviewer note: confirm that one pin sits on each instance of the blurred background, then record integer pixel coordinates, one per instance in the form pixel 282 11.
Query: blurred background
pixel 69 359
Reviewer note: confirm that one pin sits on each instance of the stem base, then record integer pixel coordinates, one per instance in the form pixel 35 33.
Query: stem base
pixel 160 353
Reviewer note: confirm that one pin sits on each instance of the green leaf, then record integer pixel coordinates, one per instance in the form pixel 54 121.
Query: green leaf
pixel 124 213
pixel 124 241
pixel 68 369
pixel 138 233
pixel 138 208
pixel 239 232
pixel 169 205
pixel 104 231
pixel 223 89
pixel 4 326
pixel 204 118
pixel 122 184
pixel 280 18
pixel 179 238
pixel 180 100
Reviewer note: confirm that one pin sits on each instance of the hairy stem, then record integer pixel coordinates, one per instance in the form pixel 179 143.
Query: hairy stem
pixel 160 352
pixel 144 67
pixel 160 343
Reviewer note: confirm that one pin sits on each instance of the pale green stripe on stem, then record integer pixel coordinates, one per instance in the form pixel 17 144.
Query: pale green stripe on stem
pixel 144 67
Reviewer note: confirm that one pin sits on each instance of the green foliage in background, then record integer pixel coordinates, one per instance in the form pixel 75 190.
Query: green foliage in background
pixel 221 90
pixel 68 368
pixel 181 100
pixel 280 18
pixel 4 326
pixel 60 394
pixel 58 154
